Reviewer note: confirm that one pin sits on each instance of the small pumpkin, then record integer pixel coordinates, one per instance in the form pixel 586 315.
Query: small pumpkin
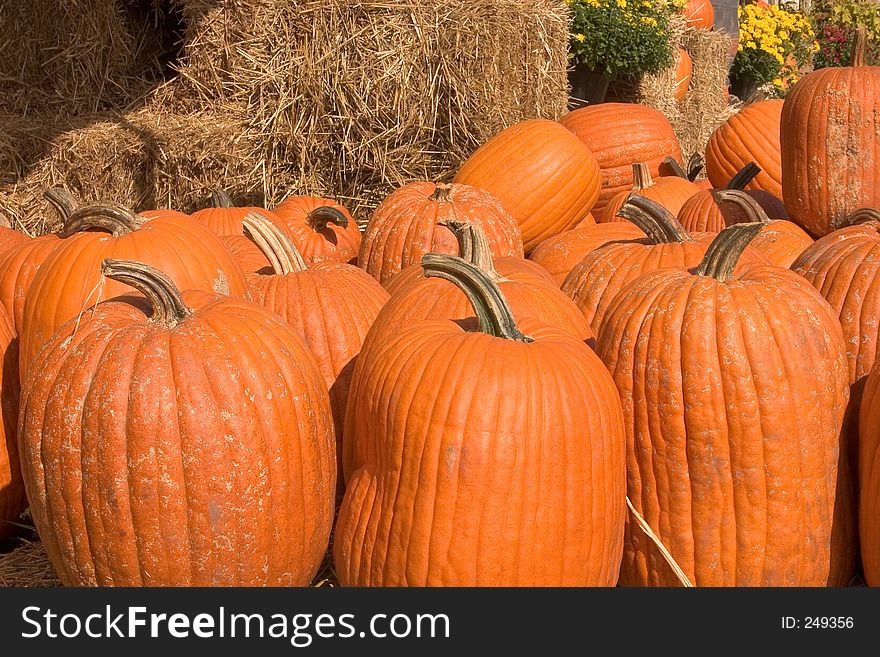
pixel 224 218
pixel 670 192
pixel 178 439
pixel 320 228
pixel 684 69
pixel 247 254
pixel 699 13
pixel 454 443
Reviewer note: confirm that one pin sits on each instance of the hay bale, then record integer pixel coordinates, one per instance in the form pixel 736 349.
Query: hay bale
pixel 27 566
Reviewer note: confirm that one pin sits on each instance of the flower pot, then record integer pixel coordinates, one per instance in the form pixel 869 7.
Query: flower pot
pixel 588 86
pixel 743 88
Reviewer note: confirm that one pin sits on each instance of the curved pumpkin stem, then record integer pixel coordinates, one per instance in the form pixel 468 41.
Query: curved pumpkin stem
pixel 655 221
pixel 861 216
pixel 318 218
pixel 746 204
pixel 674 167
pixel 493 312
pixel 744 176
pixel 725 250
pixel 281 252
pixel 695 166
pixel 220 198
pixel 473 245
pixel 168 307
pixel 114 219
pixel 63 201
pixel 859 46
pixel 641 177
pixel 442 193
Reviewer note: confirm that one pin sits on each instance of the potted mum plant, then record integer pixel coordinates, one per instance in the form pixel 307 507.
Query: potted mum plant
pixel 611 38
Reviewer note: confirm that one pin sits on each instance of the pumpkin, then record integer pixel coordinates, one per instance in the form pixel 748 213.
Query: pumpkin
pixel 750 135
pixel 247 254
pixel 224 217
pixel 543 175
pixel 69 280
pixel 699 13
pixel 483 457
pixel 830 141
pixel 186 441
pixel 528 288
pixel 619 134
pixel 684 68
pixel 869 484
pixel 331 305
pixel 671 167
pixel 594 282
pixel 321 229
pixel 732 438
pixel 9 237
pixel 12 494
pixel 408 223
pixel 561 253
pixel 670 192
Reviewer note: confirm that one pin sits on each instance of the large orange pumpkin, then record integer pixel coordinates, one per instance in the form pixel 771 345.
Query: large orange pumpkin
pixel 543 175
pixel 734 389
pixel 224 218
pixel 187 444
pixel 750 135
pixel 487 457
pixel 699 13
pixel 869 478
pixel 69 281
pixel 671 192
pixel 830 141
pixel 12 494
pixel 321 229
pixel 331 305
pixel 409 223
pixel 619 135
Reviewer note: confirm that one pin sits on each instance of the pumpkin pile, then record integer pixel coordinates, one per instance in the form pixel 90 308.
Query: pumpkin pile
pixel 575 364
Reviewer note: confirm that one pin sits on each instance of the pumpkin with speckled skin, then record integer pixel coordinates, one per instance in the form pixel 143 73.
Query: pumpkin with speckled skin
pixel 734 390
pixel 869 478
pixel 671 192
pixel 542 174
pixel 184 439
pixel 321 229
pixel 484 454
pixel 408 223
pixel 69 280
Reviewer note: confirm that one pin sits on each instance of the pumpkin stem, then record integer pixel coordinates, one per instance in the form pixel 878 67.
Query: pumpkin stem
pixel 861 216
pixel 473 245
pixel 744 176
pixel 749 206
pixel 165 299
pixel 220 198
pixel 113 219
pixel 641 177
pixel 695 166
pixel 318 218
pixel 63 201
pixel 442 193
pixel 281 252
pixel 493 312
pixel 655 221
pixel 725 250
pixel 674 167
pixel 859 46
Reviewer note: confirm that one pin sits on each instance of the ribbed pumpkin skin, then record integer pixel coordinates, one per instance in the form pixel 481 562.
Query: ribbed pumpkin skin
pixel 200 455
pixel 18 267
pixel 669 191
pixel 869 479
pixel 531 295
pixel 782 242
pixel 227 221
pixel 619 135
pixel 331 244
pixel 830 140
pixel 70 278
pixel 683 71
pixel 405 226
pixel 594 282
pixel 543 175
pixel 699 13
pixel 247 254
pixel 561 253
pixel 732 438
pixel 750 135
pixel 10 238
pixel 481 462
pixel 331 306
pixel 702 213
pixel 12 494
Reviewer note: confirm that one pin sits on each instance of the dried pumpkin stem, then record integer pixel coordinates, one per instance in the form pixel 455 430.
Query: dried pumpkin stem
pixel 493 312
pixel 655 221
pixel 675 167
pixel 220 198
pixel 861 216
pixel 63 201
pixel 318 218
pixel 641 177
pixel 473 245
pixel 168 307
pixel 725 250
pixel 744 176
pixel 114 219
pixel 695 166
pixel 746 204
pixel 859 46
pixel 442 193
pixel 281 252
